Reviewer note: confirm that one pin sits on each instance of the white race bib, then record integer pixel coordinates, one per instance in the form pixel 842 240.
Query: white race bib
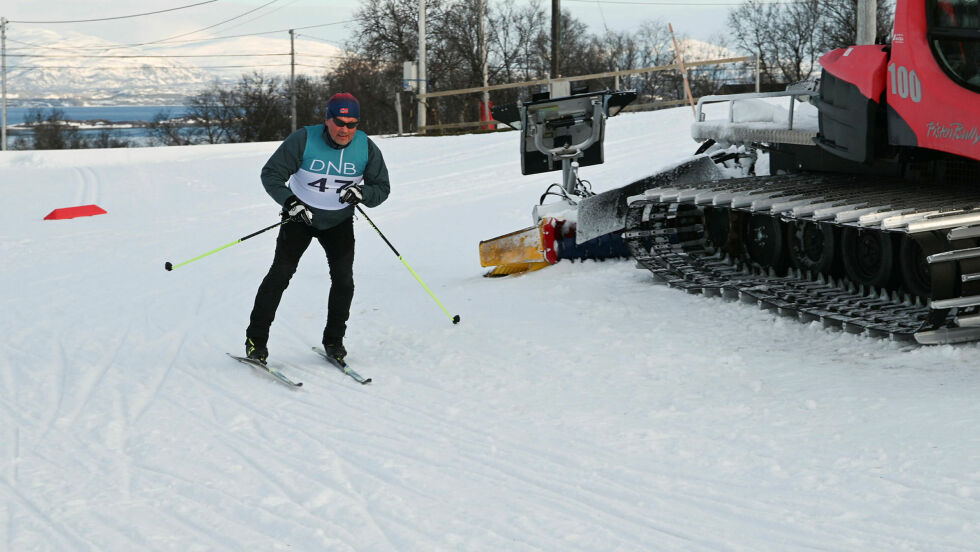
pixel 322 191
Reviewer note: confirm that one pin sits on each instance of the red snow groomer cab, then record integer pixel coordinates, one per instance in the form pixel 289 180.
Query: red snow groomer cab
pixel 870 218
pixel 922 90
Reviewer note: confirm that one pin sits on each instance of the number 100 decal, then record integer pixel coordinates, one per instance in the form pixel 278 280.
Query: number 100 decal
pixel 905 83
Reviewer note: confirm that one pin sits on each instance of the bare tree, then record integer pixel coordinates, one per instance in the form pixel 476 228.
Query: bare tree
pixel 374 84
pixel 512 33
pixel 51 131
pixel 790 38
pixel 519 49
pixel 264 105
pixel 214 113
pixel 839 23
pixel 753 24
pixel 795 44
pixel 167 130
pixel 106 139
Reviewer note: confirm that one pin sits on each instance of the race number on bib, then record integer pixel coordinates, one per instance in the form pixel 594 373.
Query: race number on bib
pixel 322 191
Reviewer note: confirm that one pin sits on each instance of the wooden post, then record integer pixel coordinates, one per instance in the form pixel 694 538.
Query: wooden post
pixel 680 63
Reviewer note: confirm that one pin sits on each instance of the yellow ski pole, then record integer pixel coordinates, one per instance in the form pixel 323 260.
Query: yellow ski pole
pixel 454 318
pixel 170 266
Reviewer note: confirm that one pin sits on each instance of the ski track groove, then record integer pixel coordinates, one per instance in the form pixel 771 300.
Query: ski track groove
pixel 87 186
pixel 202 532
pixel 705 503
pixel 79 184
pixel 16 416
pixel 477 439
pixel 330 444
pixel 93 385
pixel 205 503
pixel 279 482
pixel 157 386
pixel 117 443
pixel 59 388
pixel 76 542
pixel 571 498
pixel 10 524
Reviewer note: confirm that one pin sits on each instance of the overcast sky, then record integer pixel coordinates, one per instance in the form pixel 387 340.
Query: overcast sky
pixel 704 22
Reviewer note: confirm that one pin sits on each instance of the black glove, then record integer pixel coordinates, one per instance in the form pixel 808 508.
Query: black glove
pixel 352 195
pixel 295 209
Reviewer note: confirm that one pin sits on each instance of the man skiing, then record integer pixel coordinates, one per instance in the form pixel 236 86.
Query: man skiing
pixel 318 174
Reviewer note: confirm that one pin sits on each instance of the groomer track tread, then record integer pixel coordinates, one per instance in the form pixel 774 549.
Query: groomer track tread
pixel 667 233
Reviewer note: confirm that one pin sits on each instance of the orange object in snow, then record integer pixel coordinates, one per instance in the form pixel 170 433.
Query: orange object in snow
pixel 530 249
pixel 72 212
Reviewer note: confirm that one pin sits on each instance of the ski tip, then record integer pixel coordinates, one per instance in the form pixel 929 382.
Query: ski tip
pixel 456 319
pixel 365 382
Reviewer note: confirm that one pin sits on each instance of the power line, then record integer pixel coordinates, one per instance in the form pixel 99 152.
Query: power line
pixel 142 56
pixel 330 42
pixel 117 46
pixel 239 16
pixel 168 44
pixel 143 67
pixel 270 12
pixel 112 18
pixel 138 56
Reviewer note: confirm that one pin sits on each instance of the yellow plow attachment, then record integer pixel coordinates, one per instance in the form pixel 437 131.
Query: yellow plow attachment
pixel 527 250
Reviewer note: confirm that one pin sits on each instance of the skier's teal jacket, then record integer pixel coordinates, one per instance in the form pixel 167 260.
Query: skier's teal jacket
pixel 299 151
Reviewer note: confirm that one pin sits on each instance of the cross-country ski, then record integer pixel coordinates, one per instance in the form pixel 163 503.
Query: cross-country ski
pixel 340 364
pixel 265 367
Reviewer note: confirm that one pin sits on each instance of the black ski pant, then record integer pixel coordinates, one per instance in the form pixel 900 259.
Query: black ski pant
pixel 294 238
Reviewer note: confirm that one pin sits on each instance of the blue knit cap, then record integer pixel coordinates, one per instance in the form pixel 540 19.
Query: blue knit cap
pixel 343 105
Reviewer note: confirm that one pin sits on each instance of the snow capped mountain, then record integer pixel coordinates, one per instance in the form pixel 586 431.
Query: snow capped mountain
pixel 67 75
pixel 699 50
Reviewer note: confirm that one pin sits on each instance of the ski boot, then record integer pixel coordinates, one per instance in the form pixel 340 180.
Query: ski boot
pixel 255 352
pixel 335 349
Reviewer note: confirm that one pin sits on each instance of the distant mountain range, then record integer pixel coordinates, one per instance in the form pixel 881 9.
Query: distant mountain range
pixel 699 50
pixel 63 78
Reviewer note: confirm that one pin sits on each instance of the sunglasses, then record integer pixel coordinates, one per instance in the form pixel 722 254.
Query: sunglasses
pixel 352 124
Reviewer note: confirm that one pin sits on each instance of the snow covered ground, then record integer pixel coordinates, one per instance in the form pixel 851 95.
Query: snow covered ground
pixel 576 408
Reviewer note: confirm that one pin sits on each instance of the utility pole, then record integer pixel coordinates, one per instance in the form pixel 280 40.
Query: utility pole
pixel 398 111
pixel 555 37
pixel 3 76
pixel 867 22
pixel 483 59
pixel 423 85
pixel 292 78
